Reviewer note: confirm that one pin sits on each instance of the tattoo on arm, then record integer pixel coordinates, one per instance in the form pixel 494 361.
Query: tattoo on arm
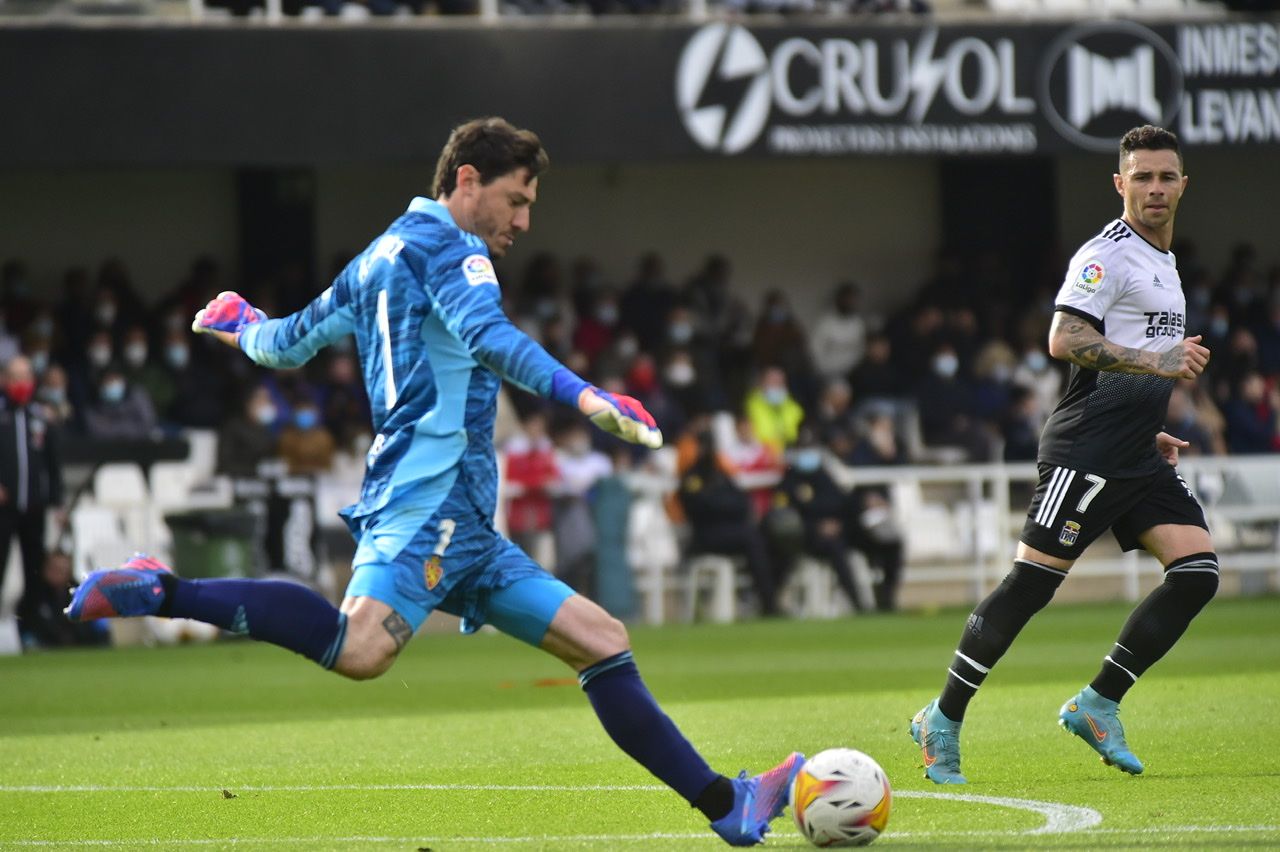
pixel 399 629
pixel 1086 347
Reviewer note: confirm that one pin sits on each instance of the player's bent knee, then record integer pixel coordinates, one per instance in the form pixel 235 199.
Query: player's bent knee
pixel 364 660
pixel 613 636
pixel 1194 578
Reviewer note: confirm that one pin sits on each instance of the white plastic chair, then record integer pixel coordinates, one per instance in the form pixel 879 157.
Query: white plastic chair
pixel 203 454
pixel 717 574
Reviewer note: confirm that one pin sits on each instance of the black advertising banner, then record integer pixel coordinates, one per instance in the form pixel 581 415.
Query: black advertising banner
pixel 628 92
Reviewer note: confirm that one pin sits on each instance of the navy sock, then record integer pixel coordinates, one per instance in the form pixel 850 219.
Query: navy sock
pixel 637 724
pixel 991 629
pixel 283 613
pixel 1158 622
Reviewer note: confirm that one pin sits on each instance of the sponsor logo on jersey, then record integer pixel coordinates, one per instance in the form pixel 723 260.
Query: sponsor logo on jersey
pixel 479 270
pixel 1165 324
pixel 1155 282
pixel 1089 281
pixel 1070 532
pixel 432 572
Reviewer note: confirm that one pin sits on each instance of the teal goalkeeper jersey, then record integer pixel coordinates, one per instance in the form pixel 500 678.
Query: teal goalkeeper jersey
pixel 424 305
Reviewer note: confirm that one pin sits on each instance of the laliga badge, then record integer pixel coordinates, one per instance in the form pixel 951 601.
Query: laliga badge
pixel 479 270
pixel 1070 532
pixel 1089 281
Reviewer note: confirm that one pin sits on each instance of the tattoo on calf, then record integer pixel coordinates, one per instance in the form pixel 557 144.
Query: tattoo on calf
pixel 399 629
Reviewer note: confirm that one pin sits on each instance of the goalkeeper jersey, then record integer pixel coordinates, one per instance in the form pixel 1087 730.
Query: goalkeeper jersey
pixel 424 305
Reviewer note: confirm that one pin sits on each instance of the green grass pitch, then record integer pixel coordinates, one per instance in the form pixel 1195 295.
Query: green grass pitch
pixel 479 742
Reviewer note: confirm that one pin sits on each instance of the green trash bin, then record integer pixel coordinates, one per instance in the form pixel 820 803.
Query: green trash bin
pixel 212 542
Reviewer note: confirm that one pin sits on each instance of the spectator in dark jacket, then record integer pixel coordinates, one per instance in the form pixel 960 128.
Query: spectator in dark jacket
pixel 823 508
pixel 44 624
pixel 720 518
pixel 30 472
pixel 1251 416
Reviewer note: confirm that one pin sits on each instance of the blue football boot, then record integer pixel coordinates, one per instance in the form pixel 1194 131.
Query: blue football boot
pixel 757 801
pixel 1096 720
pixel 132 589
pixel 939 741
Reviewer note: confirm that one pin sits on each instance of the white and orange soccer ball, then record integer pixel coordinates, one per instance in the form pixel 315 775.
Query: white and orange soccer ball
pixel 841 797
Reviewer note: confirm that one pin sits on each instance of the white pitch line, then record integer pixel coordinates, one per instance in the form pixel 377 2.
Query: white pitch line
pixel 1058 818
pixel 595 838
pixel 321 788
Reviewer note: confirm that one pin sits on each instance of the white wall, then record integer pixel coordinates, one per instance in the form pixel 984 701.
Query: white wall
pixel 800 226
pixel 158 221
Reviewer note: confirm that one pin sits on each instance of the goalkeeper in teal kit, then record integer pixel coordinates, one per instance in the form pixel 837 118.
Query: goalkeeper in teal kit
pixel 424 305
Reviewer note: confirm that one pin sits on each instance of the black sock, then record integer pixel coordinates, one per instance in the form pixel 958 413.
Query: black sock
pixel 716 800
pixel 992 628
pixel 1158 622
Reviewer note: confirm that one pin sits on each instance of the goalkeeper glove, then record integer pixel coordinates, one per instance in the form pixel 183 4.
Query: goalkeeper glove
pixel 229 312
pixel 627 419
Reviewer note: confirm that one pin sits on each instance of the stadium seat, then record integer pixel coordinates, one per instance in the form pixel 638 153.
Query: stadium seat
pixel 98 538
pixel 718 575
pixel 121 487
pixel 652 549
pixel 204 452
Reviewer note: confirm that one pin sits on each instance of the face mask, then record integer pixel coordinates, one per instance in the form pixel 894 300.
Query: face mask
pixel 681 332
pixel 265 414
pixel 680 374
pixel 106 313
pixel 39 361
pixel 807 460
pixel 628 347
pixel 43 327
pixel 1219 326
pixel 307 418
pixel 607 314
pixel 177 355
pixel 174 322
pixel 99 356
pixel 578 447
pixel 1001 373
pixel 1036 361
pixel 53 396
pixel 113 391
pixel 778 314
pixel 775 396
pixel 135 354
pixel 21 392
pixel 546 308
pixel 1200 297
pixel 946 365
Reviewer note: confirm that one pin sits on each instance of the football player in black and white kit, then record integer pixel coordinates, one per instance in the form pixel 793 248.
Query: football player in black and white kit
pixel 1105 463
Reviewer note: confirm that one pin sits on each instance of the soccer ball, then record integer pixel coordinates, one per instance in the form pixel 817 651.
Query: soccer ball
pixel 840 798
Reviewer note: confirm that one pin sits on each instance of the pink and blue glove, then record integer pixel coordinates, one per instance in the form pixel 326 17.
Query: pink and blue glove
pixel 229 312
pixel 627 419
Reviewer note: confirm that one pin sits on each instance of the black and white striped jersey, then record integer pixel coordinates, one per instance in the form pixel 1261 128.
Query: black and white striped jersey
pixel 1106 422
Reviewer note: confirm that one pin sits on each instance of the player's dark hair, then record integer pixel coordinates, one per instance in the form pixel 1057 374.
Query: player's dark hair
pixel 494 147
pixel 1148 137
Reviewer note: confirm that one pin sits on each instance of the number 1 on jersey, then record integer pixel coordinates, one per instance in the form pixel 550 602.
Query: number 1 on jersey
pixel 384 328
pixel 446 528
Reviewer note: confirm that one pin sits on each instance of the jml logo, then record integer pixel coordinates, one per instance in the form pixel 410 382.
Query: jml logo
pixel 1098 84
pixel 1098 80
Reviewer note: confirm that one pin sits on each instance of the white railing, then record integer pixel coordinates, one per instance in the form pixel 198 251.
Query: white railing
pixel 961 525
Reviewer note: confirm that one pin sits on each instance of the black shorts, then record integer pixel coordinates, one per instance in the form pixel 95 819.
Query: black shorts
pixel 1071 508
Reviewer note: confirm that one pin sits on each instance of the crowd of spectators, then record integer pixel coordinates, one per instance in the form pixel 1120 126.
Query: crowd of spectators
pixel 758 403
